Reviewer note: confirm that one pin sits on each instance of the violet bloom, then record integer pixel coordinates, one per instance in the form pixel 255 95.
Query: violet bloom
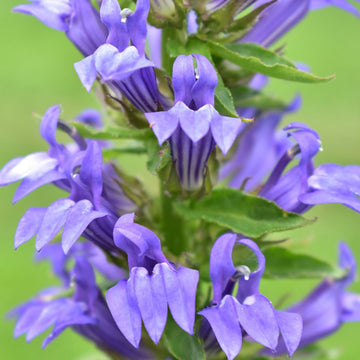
pixel 277 19
pixel 94 187
pixel 260 146
pixel 85 312
pixel 42 168
pixel 331 183
pixel 192 125
pixel 285 187
pixel 124 68
pixel 247 314
pixel 328 306
pixel 77 18
pixel 153 285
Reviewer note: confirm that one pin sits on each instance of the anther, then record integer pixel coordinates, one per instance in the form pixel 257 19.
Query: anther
pixel 125 13
pixel 241 270
pixel 293 151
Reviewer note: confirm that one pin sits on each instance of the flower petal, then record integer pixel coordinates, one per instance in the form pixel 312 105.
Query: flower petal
pixel 53 220
pixel 125 312
pixel 29 225
pixel 223 321
pixel 78 219
pixel 151 298
pixel 180 287
pixel 257 318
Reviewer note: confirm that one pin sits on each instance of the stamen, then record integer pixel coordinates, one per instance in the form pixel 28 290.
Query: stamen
pixel 196 70
pixel 125 13
pixel 295 150
pixel 241 270
pixel 72 132
pixel 76 171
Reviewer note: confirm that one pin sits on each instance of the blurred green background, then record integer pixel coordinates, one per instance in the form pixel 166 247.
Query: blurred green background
pixel 37 72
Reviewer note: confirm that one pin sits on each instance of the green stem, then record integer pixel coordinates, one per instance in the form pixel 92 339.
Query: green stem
pixel 173 225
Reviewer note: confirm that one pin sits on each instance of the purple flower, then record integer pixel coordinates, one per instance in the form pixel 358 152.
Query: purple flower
pixel 85 312
pixel 153 285
pixel 286 188
pixel 247 314
pixel 328 306
pixel 192 125
pixel 277 19
pixel 95 189
pixel 78 18
pixel 42 168
pixel 124 68
pixel 260 146
pixel 331 183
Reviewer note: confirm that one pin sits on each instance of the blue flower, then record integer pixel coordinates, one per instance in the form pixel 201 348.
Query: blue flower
pixel 331 183
pixel 248 313
pixel 192 125
pixel 285 187
pixel 85 311
pixel 153 285
pixel 95 189
pixel 123 67
pixel 328 306
pixel 278 18
pixel 260 146
pixel 78 18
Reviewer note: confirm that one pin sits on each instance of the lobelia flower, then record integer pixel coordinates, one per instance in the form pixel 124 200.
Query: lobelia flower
pixel 85 311
pixel 122 67
pixel 247 314
pixel 193 126
pixel 153 285
pixel 77 18
pixel 277 19
pixel 94 187
pixel 303 186
pixel 286 188
pixel 328 306
pixel 331 183
pixel 260 146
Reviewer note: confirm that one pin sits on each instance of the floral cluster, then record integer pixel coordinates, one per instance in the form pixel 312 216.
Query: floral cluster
pixel 180 82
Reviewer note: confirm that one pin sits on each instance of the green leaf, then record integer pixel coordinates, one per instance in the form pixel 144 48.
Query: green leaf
pixel 111 133
pixel 182 345
pixel 252 216
pixel 283 263
pixel 256 58
pixel 246 97
pixel 224 103
pixel 158 157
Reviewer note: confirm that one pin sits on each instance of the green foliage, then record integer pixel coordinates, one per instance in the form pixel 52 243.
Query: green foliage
pixel 111 133
pixel 255 58
pixel 158 157
pixel 180 344
pixel 246 214
pixel 283 263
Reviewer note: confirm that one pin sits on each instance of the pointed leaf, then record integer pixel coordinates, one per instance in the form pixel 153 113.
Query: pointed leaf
pixel 120 132
pixel 256 58
pixel 283 263
pixel 250 215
